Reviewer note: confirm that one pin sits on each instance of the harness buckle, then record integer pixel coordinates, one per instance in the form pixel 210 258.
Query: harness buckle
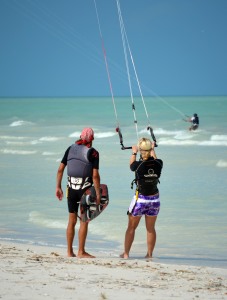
pixel 134 181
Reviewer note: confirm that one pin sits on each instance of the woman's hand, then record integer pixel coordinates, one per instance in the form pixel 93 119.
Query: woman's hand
pixel 152 153
pixel 134 149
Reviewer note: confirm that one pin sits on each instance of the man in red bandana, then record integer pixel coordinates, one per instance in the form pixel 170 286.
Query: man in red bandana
pixel 82 163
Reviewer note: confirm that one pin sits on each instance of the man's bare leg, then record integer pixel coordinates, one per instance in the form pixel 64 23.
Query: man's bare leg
pixel 70 233
pixel 82 235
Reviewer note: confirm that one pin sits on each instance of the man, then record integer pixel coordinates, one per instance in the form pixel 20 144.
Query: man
pixel 82 163
pixel 195 122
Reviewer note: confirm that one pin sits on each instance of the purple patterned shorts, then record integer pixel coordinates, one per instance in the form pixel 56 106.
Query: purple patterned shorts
pixel 145 205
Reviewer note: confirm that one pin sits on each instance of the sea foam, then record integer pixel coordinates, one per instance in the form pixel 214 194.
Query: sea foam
pixel 49 153
pixel 222 163
pixel 9 137
pixel 39 219
pixel 20 123
pixel 173 142
pixel 98 135
pixel 176 142
pixel 20 152
pixel 161 131
pixel 218 138
pixel 49 139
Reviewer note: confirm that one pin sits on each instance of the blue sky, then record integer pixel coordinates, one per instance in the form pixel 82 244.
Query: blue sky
pixel 53 47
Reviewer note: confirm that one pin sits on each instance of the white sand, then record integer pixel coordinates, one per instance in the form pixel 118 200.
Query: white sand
pixel 32 272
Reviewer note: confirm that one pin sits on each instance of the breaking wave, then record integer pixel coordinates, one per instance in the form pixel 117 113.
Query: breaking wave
pixel 49 153
pixel 98 135
pixel 8 137
pixel 222 163
pixel 185 138
pixel 20 152
pixel 49 139
pixel 20 123
pixel 218 138
pixel 175 142
pixel 37 218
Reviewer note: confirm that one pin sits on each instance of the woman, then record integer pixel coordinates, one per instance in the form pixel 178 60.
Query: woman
pixel 146 199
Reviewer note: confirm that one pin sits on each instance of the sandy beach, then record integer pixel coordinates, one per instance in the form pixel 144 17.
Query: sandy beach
pixel 34 272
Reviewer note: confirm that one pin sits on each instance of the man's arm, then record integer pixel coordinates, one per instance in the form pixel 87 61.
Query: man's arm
pixel 96 181
pixel 59 192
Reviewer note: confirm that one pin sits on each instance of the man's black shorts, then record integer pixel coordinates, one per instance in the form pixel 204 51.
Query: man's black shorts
pixel 74 197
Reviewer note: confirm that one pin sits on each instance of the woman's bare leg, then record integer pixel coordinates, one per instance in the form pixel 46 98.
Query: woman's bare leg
pixel 151 235
pixel 133 222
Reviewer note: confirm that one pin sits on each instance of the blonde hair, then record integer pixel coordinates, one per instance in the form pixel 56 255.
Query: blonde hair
pixel 145 147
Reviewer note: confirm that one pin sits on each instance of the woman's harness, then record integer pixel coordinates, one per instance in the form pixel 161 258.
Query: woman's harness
pixel 147 185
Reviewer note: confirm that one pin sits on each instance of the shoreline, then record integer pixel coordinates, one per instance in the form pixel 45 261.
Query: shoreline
pixel 30 271
pixel 109 249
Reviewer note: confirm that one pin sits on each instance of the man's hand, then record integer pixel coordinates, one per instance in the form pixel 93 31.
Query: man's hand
pixel 98 200
pixel 59 193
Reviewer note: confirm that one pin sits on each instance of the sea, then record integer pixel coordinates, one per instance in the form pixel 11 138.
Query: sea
pixel 192 223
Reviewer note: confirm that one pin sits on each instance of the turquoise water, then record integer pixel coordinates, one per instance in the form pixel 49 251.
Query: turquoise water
pixel 192 224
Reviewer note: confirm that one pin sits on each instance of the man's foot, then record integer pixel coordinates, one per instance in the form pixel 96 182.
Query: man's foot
pixel 84 255
pixel 124 255
pixel 71 254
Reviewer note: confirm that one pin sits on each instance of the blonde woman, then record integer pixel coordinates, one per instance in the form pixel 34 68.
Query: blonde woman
pixel 146 199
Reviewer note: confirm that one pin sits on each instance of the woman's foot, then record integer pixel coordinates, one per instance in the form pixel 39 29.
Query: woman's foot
pixel 148 256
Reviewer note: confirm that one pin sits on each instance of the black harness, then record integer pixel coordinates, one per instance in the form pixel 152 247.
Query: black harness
pixel 146 181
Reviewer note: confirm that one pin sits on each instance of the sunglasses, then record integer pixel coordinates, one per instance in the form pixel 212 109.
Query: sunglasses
pixel 144 150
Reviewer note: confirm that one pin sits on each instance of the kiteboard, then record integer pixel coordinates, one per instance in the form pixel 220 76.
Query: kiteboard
pixel 89 210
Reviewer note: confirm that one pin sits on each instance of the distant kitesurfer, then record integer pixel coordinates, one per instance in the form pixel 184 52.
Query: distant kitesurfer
pixel 146 199
pixel 82 163
pixel 195 122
